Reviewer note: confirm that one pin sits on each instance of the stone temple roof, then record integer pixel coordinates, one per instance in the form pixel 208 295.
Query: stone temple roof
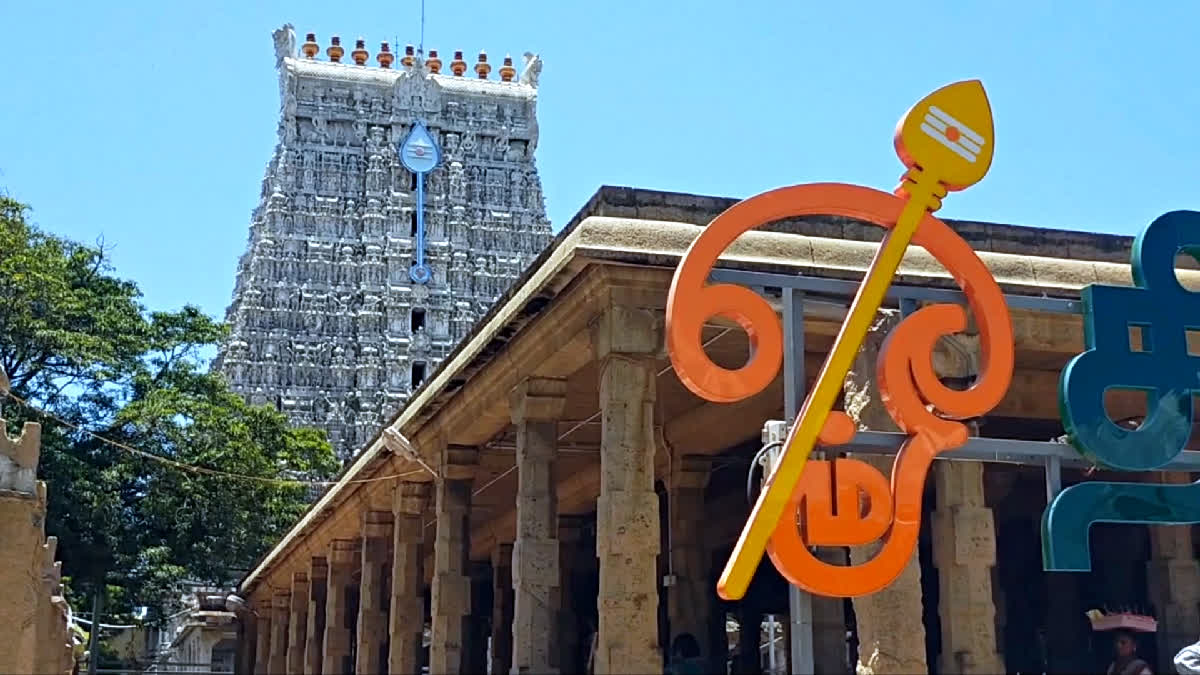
pixel 348 72
pixel 452 72
pixel 678 207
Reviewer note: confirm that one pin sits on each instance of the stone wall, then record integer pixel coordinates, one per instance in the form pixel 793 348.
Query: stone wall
pixel 34 636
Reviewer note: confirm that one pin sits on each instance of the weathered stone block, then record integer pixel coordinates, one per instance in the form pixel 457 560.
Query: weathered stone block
pixel 629 330
pixel 411 498
pixel 964 536
pixel 535 561
pixel 538 399
pixel 627 524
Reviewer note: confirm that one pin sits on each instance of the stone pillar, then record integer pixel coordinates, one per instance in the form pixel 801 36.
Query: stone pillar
pixel 478 624
pixel 502 609
pixel 964 552
pixel 451 596
pixel 314 631
pixel 690 597
pixel 1173 577
pixel 22 512
pixel 280 606
pixel 298 623
pixel 262 644
pixel 891 631
pixel 408 578
pixel 964 541
pixel 343 563
pixel 570 631
pixel 627 341
pixel 247 639
pixel 536 406
pixel 372 608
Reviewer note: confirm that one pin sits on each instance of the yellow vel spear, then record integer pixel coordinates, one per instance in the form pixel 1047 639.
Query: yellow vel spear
pixel 946 141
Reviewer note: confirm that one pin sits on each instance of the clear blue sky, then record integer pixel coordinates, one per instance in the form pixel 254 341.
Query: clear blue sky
pixel 150 123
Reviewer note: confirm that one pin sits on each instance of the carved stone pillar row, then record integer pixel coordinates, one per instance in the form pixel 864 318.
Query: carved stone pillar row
pixel 298 623
pixel 451 596
pixel 408 578
pixel 281 605
pixel 536 406
pixel 627 341
pixel 964 552
pixel 1173 575
pixel 314 641
pixel 891 631
pixel 344 559
pixel 690 599
pixel 502 609
pixel 372 608
pixel 570 632
pixel 262 644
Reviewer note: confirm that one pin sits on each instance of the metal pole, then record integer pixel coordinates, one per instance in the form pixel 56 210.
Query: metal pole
pixel 771 643
pixel 799 602
pixel 94 635
pixel 420 220
pixel 1053 477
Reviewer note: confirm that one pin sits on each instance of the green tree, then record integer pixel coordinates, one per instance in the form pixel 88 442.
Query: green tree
pixel 76 342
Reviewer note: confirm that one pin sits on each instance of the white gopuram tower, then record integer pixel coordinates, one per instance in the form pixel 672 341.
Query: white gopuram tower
pixel 331 319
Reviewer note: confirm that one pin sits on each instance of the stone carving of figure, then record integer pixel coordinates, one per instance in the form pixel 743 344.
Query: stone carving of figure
pixel 285 43
pixel 533 69
pixel 474 183
pixel 321 129
pixel 457 181
pixel 451 143
pixel 310 176
pixel 494 180
pixel 376 143
pixel 330 180
pixel 517 198
pixel 533 196
pixel 468 142
pixel 514 153
pixel 500 148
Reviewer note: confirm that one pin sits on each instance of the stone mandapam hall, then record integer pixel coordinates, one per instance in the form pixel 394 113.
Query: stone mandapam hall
pixel 553 477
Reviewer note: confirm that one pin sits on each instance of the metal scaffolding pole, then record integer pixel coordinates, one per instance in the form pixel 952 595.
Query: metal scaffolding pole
pixel 799 602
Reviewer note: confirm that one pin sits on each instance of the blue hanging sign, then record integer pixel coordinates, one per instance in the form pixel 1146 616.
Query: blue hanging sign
pixel 419 153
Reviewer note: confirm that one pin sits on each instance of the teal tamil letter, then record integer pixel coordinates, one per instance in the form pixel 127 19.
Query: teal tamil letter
pixel 1163 311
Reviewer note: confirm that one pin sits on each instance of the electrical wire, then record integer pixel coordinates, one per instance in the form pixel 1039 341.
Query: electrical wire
pixel 753 463
pixel 192 468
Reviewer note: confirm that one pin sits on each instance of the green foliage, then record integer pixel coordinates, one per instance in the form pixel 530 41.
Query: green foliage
pixel 76 341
